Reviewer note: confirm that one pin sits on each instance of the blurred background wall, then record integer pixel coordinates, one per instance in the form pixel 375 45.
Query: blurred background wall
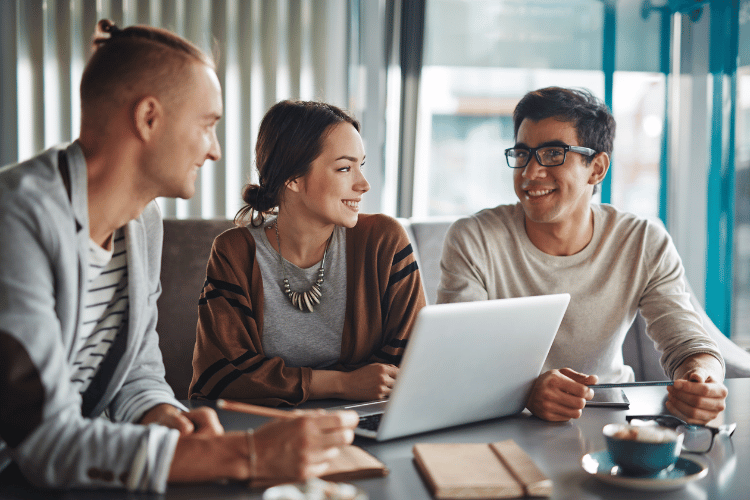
pixel 434 83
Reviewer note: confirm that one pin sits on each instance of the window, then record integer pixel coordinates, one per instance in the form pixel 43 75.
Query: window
pixel 741 267
pixel 638 106
pixel 481 57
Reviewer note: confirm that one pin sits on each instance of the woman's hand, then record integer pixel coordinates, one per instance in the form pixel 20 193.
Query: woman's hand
pixel 373 381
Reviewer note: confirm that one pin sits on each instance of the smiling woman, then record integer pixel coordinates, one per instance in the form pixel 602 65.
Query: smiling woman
pixel 311 299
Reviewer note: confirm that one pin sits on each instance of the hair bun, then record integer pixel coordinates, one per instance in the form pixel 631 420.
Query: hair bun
pixel 258 198
pixel 107 26
pixel 266 200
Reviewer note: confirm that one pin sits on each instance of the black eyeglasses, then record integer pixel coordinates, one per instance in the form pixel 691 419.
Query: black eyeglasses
pixel 698 438
pixel 546 156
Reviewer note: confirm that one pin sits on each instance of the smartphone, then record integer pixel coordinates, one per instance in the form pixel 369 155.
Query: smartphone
pixel 611 398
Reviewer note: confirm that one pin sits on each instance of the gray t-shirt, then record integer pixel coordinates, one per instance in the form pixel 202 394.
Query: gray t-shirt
pixel 311 339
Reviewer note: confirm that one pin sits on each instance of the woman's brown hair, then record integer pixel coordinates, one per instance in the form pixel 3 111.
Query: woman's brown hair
pixel 291 136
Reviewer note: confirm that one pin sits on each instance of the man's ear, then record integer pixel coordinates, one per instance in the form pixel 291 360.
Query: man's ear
pixel 600 165
pixel 147 116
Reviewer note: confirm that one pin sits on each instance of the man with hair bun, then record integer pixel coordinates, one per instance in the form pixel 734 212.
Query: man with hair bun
pixel 79 280
pixel 613 264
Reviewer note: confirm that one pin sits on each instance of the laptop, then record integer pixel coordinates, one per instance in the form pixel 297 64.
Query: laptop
pixel 465 362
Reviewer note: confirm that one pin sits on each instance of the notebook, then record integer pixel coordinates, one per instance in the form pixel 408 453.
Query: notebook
pixel 352 464
pixel 466 362
pixel 480 470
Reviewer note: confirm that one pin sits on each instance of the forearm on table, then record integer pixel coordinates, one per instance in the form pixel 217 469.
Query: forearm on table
pixel 327 384
pixel 200 458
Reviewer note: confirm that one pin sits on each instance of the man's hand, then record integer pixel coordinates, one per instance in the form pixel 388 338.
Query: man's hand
pixel 559 395
pixel 303 447
pixel 698 394
pixel 289 449
pixel 202 420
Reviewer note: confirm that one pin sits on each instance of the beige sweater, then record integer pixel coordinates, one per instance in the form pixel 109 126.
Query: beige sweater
pixel 630 264
pixel 384 295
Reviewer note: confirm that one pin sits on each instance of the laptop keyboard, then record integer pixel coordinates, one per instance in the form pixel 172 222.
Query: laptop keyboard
pixel 370 422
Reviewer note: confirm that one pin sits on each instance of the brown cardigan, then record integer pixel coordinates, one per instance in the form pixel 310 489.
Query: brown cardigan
pixel 384 294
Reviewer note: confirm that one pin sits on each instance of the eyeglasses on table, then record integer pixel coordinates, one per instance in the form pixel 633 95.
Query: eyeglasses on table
pixel 698 438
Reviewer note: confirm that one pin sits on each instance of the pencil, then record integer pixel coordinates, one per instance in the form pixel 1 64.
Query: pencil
pixel 631 384
pixel 261 411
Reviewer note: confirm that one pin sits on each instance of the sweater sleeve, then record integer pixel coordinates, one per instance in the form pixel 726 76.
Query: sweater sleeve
pixel 462 278
pixel 672 323
pixel 403 297
pixel 228 361
pixel 384 291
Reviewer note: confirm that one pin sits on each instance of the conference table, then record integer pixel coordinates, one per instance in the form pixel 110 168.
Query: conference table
pixel 556 448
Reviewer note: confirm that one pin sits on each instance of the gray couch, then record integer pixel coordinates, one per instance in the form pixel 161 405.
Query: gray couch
pixel 187 244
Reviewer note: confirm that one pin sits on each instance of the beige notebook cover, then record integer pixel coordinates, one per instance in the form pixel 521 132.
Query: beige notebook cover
pixel 352 463
pixel 480 470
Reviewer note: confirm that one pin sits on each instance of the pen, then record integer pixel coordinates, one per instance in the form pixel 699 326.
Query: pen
pixel 631 384
pixel 261 411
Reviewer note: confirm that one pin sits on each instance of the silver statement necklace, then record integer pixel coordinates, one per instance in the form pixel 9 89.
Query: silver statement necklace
pixel 303 300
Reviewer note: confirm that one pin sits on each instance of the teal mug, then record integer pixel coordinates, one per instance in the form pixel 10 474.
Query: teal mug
pixel 643 451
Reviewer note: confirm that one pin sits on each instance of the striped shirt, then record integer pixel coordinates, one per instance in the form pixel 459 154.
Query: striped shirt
pixel 105 312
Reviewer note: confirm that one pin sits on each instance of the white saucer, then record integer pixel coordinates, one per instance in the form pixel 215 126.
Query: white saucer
pixel 600 465
pixel 315 489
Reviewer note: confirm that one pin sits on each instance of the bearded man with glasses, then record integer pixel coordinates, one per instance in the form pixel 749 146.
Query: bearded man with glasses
pixel 612 263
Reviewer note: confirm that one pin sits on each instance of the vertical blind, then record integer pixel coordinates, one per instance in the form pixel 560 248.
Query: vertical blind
pixel 266 50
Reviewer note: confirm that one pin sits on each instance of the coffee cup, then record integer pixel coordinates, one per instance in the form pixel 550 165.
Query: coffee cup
pixel 642 450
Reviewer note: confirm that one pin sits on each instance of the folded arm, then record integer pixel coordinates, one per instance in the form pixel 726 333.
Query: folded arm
pixel 382 320
pixel 228 361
